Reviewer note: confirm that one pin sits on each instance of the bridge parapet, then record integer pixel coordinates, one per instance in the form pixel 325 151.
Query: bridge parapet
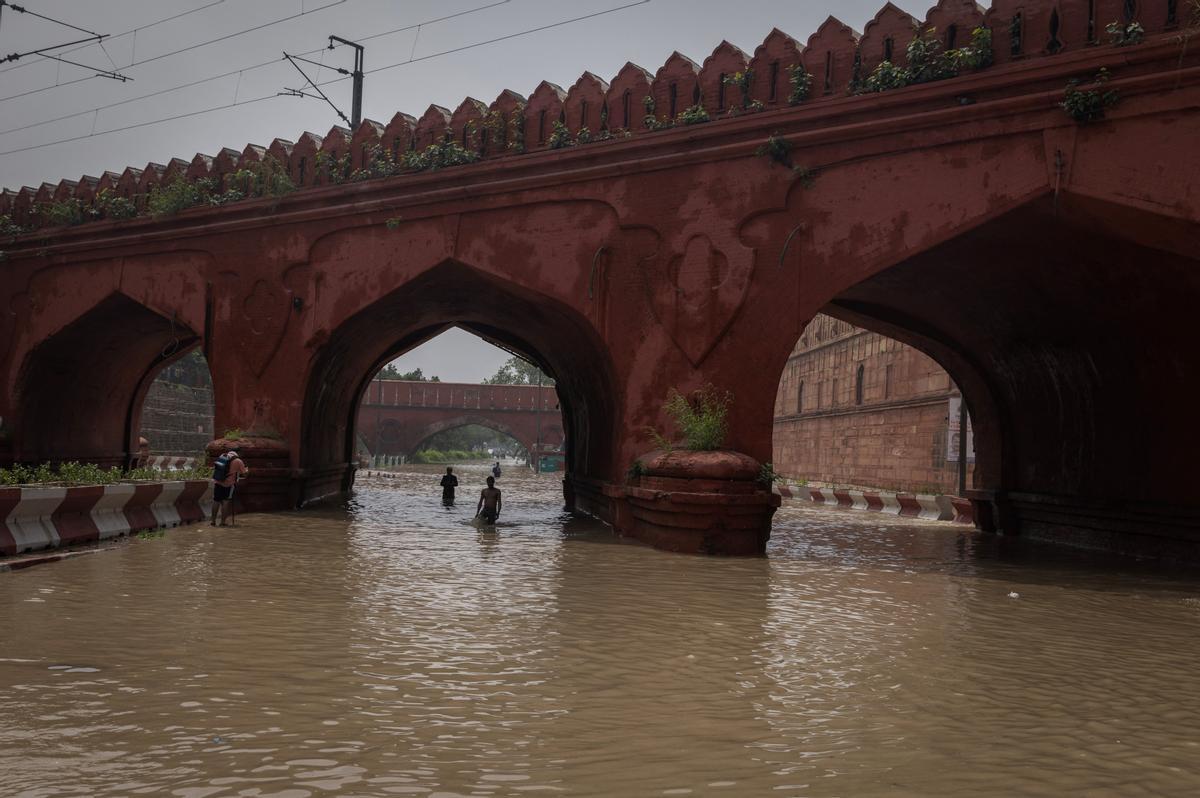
pixel 460 396
pixel 836 61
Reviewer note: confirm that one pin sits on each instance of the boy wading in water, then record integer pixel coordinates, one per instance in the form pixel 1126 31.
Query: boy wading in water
pixel 449 483
pixel 489 503
pixel 227 469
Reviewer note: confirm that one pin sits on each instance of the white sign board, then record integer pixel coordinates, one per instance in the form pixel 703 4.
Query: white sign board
pixel 956 431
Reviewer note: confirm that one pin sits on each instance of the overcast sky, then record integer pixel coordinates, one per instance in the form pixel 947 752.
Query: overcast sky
pixel 35 89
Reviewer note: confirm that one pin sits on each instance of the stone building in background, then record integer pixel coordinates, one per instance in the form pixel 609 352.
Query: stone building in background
pixel 857 409
pixel 177 416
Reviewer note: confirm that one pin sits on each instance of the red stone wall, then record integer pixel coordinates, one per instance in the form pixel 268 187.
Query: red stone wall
pixel 893 437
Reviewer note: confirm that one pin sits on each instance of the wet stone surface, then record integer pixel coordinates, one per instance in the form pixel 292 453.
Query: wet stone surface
pixel 393 648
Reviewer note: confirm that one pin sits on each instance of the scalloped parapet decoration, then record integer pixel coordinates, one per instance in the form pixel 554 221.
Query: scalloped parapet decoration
pixel 544 108
pixel 625 95
pixel 717 95
pixel 835 56
pixel 886 38
pixel 585 104
pixel 676 86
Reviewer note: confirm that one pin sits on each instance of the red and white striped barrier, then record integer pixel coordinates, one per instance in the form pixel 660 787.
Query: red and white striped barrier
pixel 908 505
pixel 33 518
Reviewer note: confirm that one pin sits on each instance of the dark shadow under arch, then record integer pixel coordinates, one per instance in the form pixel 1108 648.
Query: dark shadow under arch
pixel 79 392
pixel 1081 386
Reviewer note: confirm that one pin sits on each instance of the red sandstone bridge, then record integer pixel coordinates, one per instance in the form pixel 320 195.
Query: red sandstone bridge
pixel 397 417
pixel 1048 260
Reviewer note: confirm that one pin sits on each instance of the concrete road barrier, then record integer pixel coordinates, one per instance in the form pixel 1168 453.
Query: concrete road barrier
pixel 36 517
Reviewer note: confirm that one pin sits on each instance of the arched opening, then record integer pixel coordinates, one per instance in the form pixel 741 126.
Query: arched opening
pixel 176 414
pixel 80 392
pixel 897 433
pixel 540 330
pixel 1074 382
pixel 494 406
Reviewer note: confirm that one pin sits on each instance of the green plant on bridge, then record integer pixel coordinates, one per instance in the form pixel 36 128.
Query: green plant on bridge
pixel 560 137
pixel 636 470
pixel 9 228
pixel 179 195
pixel 111 205
pixel 778 150
pixel 439 156
pixel 61 213
pixel 699 417
pixel 801 81
pixel 1090 104
pixel 928 63
pixel 693 115
pixel 743 80
pixel 767 476
pixel 1125 35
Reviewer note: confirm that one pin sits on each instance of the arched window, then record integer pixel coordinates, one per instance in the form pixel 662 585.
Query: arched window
pixel 626 111
pixel 1172 12
pixel 772 89
pixel 721 92
pixel 1016 32
pixel 889 48
pixel 1055 44
pixel 303 169
pixel 541 127
pixel 951 36
pixel 800 398
pixel 829 71
pixel 673 94
pixel 583 114
pixel 858 384
pixel 1091 22
pixel 1130 10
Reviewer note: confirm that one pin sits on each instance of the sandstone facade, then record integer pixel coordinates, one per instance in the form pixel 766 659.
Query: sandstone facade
pixel 858 409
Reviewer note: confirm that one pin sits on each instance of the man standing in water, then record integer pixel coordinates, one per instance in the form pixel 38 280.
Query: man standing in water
pixel 449 483
pixel 489 502
pixel 227 470
pixel 496 470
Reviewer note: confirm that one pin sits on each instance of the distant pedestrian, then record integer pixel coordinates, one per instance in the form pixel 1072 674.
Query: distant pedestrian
pixel 227 470
pixel 489 503
pixel 496 470
pixel 449 483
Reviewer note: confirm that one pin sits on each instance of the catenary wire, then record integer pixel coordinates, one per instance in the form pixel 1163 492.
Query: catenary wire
pixel 251 68
pixel 264 98
pixel 125 33
pixel 189 48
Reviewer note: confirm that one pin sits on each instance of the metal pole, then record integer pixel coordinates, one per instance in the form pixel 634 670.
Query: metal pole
pixel 962 445
pixel 357 75
pixel 537 464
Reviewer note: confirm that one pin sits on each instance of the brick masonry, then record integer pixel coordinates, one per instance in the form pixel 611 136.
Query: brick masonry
pixel 177 416
pixel 855 408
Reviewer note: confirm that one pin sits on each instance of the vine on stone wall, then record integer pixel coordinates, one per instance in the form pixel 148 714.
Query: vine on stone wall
pixel 928 63
pixel 1089 105
pixel 800 80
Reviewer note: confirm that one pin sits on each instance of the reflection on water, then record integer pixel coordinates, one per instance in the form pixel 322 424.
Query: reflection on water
pixel 392 647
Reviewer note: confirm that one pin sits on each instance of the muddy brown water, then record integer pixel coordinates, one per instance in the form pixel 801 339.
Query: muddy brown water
pixel 391 648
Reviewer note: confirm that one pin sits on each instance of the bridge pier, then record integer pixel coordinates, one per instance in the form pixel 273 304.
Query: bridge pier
pixel 688 502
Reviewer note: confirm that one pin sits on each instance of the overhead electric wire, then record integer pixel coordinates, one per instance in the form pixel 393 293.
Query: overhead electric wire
pixel 223 75
pixel 126 33
pixel 189 48
pixel 325 83
pixel 23 10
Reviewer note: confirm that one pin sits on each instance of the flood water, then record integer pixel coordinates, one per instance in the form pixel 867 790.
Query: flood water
pixel 392 648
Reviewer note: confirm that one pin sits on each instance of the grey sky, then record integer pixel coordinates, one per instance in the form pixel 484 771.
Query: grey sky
pixel 645 34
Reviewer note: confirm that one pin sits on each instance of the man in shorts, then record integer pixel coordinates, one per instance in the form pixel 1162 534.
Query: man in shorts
pixel 449 483
pixel 227 470
pixel 489 503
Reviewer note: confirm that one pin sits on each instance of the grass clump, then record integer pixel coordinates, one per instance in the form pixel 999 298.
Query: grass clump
pixel 700 418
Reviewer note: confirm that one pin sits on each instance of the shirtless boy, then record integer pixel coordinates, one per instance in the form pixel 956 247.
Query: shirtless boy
pixel 489 502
